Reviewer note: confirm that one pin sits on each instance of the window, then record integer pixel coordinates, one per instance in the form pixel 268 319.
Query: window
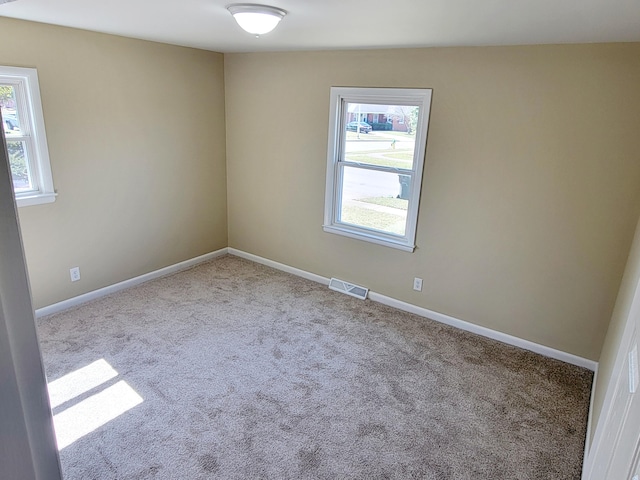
pixel 23 125
pixel 374 176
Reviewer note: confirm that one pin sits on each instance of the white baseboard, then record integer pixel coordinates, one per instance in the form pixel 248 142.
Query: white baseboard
pixel 279 266
pixel 376 297
pixel 80 299
pixel 485 332
pixel 438 317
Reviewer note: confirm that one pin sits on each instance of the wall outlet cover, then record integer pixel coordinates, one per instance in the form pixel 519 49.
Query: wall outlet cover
pixel 74 273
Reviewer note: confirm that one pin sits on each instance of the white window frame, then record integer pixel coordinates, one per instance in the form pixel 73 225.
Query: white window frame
pixel 32 132
pixel 340 97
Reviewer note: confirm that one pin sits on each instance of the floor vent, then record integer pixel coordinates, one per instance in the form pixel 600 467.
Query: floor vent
pixel 348 288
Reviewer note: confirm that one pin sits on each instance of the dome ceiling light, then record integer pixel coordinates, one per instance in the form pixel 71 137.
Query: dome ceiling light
pixel 256 19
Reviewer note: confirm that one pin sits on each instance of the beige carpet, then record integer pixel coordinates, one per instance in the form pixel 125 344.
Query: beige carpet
pixel 233 370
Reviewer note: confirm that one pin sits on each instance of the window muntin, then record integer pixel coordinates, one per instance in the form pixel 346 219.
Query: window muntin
pixel 23 126
pixel 374 172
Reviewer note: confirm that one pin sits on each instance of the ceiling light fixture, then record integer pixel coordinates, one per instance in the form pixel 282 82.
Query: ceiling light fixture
pixel 256 19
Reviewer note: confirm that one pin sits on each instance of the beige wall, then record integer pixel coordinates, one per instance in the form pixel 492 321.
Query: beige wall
pixel 613 340
pixel 137 145
pixel 530 195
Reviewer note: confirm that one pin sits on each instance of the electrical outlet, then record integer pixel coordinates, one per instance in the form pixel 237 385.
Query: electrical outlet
pixel 417 284
pixel 75 274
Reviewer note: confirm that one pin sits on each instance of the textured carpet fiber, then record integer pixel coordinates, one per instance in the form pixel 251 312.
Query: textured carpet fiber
pixel 244 372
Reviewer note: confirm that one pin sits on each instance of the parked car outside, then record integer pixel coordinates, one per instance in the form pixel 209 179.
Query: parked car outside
pixel 364 127
pixel 10 123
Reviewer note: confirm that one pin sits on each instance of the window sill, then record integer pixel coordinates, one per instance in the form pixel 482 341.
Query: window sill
pixel 369 237
pixel 36 199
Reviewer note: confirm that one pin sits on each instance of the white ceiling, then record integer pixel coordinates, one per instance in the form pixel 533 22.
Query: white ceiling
pixel 341 24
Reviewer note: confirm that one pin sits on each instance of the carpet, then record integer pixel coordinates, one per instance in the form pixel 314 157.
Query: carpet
pixel 234 370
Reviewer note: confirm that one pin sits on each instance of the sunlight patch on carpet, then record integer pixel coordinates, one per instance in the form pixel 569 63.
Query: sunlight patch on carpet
pixel 80 381
pixel 93 412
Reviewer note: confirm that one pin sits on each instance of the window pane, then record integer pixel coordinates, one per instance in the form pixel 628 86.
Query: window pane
pixel 9 109
pixel 380 134
pixel 376 200
pixel 18 161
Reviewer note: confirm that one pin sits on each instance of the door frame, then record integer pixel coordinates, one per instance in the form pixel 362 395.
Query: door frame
pixel 25 415
pixel 619 374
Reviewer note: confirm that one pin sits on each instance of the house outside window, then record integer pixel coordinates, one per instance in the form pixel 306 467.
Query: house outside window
pixel 24 131
pixel 374 177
